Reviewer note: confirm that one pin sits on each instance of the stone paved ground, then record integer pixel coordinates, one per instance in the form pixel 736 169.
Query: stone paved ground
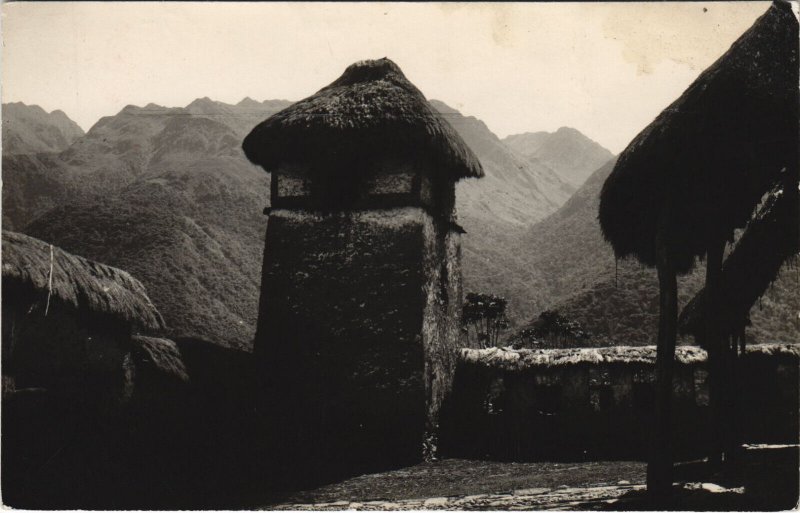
pixel 765 480
pixel 621 497
pixel 458 477
pixel 566 498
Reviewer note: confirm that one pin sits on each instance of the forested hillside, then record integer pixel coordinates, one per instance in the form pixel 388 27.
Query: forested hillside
pixel 618 301
pixel 167 194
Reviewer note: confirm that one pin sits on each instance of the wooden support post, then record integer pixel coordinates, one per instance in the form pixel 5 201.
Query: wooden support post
pixel 717 355
pixel 733 411
pixel 10 321
pixel 659 467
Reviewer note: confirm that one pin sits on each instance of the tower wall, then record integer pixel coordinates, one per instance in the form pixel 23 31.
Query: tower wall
pixel 441 328
pixel 357 332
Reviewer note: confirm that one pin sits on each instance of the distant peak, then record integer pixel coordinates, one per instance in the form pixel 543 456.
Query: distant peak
pixel 206 105
pixel 576 135
pixel 20 107
pixel 130 109
pixel 205 100
pixel 248 102
pixel 540 133
pixel 563 131
pixel 442 107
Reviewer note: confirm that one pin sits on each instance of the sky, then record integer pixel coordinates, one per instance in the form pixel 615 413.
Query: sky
pixel 606 69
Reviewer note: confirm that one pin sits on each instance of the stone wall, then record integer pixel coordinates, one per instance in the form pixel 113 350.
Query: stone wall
pixel 598 403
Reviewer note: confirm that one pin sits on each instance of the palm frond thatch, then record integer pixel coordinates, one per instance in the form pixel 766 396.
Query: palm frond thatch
pixel 770 239
pixel 163 354
pixel 369 115
pixel 81 283
pixel 713 153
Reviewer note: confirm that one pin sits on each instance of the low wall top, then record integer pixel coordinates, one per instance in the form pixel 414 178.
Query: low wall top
pixel 520 359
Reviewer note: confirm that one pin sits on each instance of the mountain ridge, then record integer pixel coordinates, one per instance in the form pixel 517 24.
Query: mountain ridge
pixel 29 129
pixel 570 153
pixel 166 194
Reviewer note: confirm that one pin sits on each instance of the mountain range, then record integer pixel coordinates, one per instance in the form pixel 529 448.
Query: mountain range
pixel 497 210
pixel 167 194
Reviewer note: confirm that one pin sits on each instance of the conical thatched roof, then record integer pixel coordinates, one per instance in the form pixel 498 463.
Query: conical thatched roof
pixel 770 239
pixel 714 152
pixel 76 281
pixel 370 115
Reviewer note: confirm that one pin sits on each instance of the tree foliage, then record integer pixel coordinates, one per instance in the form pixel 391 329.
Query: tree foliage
pixel 550 330
pixel 485 315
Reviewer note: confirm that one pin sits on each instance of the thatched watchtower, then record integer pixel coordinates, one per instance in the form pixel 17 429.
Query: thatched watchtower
pixel 361 286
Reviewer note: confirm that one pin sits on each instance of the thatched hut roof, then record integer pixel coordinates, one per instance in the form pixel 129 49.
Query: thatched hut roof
pixel 163 354
pixel 771 238
pixel 76 281
pixel 714 152
pixel 525 359
pixel 370 115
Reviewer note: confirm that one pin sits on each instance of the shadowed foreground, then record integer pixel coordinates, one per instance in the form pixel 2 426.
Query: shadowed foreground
pixel 765 480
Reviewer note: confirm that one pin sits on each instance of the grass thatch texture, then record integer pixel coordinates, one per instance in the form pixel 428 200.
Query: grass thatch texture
pixel 521 359
pixel 771 238
pixel 774 350
pixel 371 114
pixel 714 152
pixel 81 283
pixel 163 354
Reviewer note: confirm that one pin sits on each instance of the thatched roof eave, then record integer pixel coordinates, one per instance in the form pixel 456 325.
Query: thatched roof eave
pixel 76 281
pixel 713 152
